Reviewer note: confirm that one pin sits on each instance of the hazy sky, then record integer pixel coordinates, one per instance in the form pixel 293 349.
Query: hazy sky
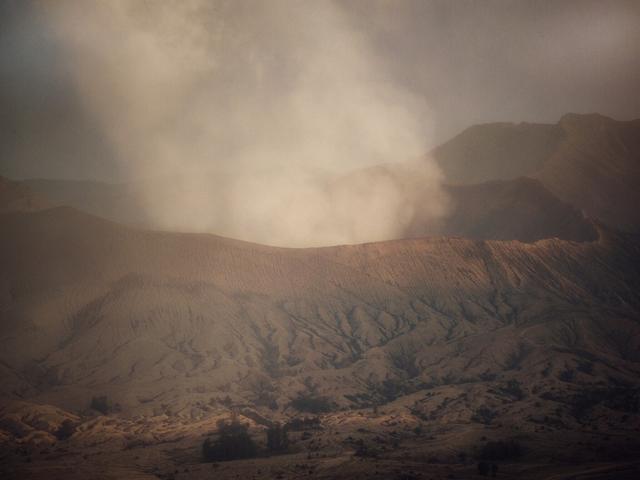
pixel 237 116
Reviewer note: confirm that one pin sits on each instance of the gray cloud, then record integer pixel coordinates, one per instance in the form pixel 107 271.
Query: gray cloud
pixel 238 116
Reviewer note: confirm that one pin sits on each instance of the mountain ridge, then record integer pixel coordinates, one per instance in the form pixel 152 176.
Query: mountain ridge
pixel 143 340
pixel 589 161
pixel 113 262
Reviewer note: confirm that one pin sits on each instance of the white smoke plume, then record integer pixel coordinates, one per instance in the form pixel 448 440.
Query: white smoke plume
pixel 248 118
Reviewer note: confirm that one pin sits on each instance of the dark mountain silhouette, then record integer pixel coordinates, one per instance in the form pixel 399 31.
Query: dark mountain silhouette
pixel 589 161
pixel 497 151
pixel 586 165
pixel 520 209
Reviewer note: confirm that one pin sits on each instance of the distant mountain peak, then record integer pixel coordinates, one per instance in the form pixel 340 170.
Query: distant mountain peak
pixel 584 118
pixel 587 160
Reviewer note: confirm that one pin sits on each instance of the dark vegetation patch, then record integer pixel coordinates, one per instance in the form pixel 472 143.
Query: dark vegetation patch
pixel 501 450
pixel 512 389
pixel 621 399
pixel 484 415
pixel 361 400
pixel 277 438
pixel 390 389
pixel 264 393
pixel 233 442
pixel 307 423
pixel 434 413
pixel 66 430
pixel 101 404
pixel 515 358
pixel 362 450
pixel 405 360
pixel 309 403
pixel 567 375
pixel 486 468
pixel 585 366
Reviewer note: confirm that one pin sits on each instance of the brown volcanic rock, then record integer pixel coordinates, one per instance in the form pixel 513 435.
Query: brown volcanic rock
pixel 497 151
pixel 589 161
pixel 597 168
pixel 520 209
pixel 161 321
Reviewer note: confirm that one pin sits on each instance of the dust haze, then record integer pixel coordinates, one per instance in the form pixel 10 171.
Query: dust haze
pixel 240 117
pixel 243 117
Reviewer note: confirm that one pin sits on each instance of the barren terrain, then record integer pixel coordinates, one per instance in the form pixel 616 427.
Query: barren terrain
pixel 421 350
pixel 509 335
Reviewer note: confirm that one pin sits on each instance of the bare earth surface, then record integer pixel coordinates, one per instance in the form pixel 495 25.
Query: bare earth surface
pixel 424 349
pixel 410 359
